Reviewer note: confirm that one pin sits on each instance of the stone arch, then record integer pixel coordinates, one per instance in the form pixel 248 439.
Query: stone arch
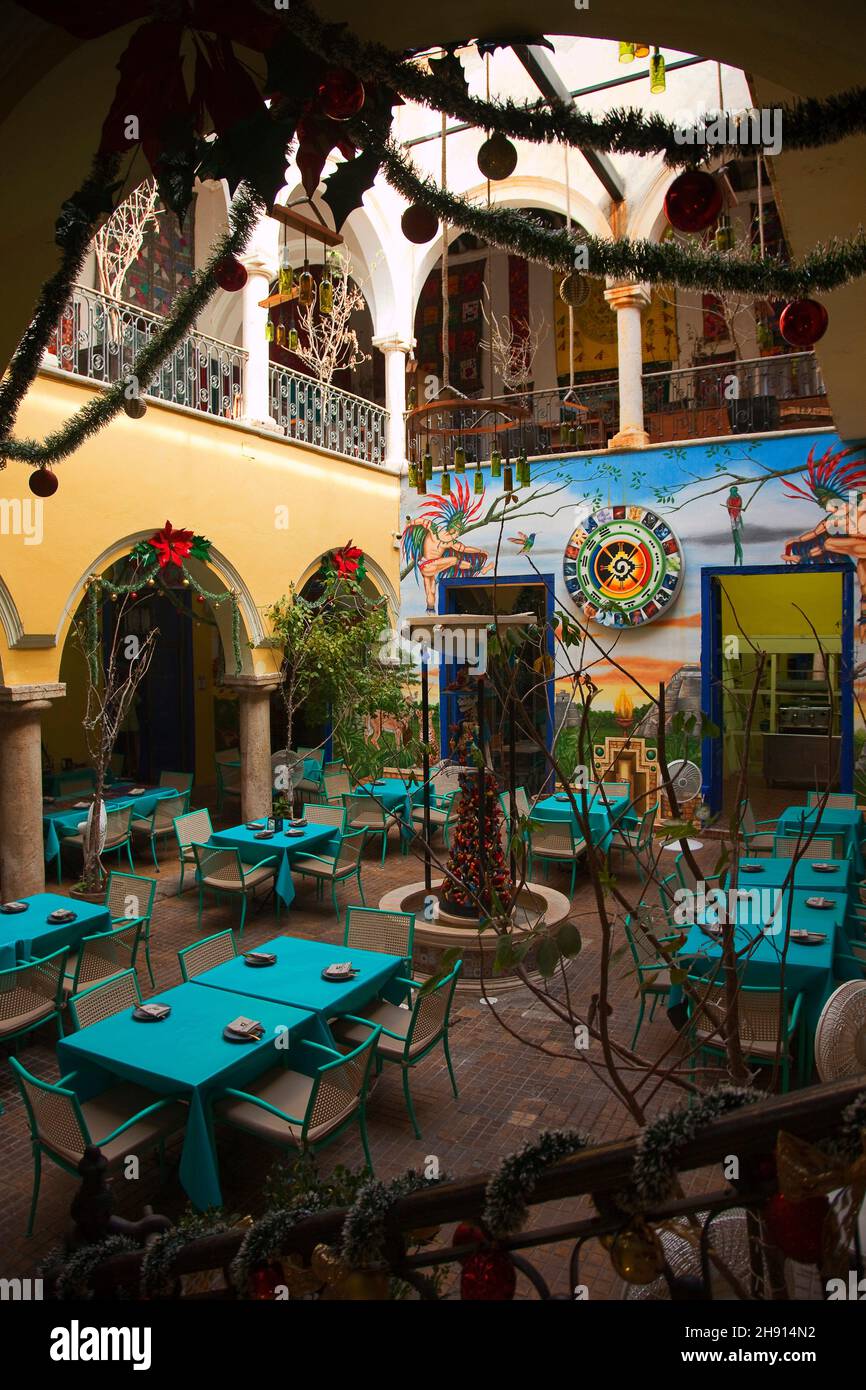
pixel 375 574
pixel 10 619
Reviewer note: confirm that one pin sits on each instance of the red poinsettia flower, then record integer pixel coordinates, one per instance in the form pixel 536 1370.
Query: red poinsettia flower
pixel 171 545
pixel 347 559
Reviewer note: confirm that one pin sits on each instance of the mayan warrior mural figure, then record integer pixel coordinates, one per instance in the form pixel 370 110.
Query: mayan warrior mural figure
pixel 431 544
pixel 840 488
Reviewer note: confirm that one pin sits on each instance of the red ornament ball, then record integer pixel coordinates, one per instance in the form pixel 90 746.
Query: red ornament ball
pixel 693 201
pixel 466 1234
pixel 264 1280
pixel 803 322
pixel 341 94
pixel 797 1228
pixel 489 1277
pixel 419 224
pixel 230 274
pixel 43 483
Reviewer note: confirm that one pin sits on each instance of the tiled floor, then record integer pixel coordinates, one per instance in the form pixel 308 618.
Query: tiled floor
pixel 516 1076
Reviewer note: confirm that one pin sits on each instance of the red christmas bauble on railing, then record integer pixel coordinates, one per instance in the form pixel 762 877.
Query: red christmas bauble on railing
pixel 797 1228
pixel 230 274
pixel 42 482
pixel 693 201
pixel 419 224
pixel 341 94
pixel 803 322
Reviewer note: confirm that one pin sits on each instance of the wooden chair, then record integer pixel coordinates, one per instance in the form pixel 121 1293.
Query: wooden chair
pixel 32 994
pixel 759 1012
pixel 303 1112
pixel 119 1121
pixel 194 826
pixel 204 955
pixel 407 1035
pixel 223 873
pixel 335 868
pixel 105 999
pixel 370 929
pixel 555 841
pixel 159 825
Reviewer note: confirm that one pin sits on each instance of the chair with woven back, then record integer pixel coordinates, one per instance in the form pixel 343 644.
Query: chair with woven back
pixel 222 872
pixel 759 1013
pixel 407 1035
pixel 555 842
pixel 228 777
pixel 311 786
pixel 131 896
pixel 294 1110
pixel 371 929
pixel 102 956
pixel 32 994
pixel 118 1121
pixel 205 955
pixel 335 868
pixel 105 999
pixel 368 813
pixel 159 825
pixel 607 791
pixel 335 785
pixel 333 765
pixel 320 814
pixel 193 827
pixel 179 781
pixel 756 839
pixel 636 842
pixel 443 813
pixel 819 847
pixel 118 834
pixel 833 801
pixel 652 969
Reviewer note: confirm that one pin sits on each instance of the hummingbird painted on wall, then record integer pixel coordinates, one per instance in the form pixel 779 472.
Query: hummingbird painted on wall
pixel 523 541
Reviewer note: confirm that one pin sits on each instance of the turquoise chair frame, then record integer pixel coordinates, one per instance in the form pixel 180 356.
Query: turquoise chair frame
pixel 201 811
pixel 197 945
pixel 219 894
pixel 350 872
pixel 38 1147
pixel 183 797
pixel 406 1063
pixel 56 1014
pixel 360 1113
pixel 635 839
pixel 548 859
pixel 791 1018
pixel 148 890
pixel 647 969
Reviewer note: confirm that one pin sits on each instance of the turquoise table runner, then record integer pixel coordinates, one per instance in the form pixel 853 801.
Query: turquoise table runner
pixel 186 1055
pixel 296 978
pixel 57 824
pixel 810 970
pixel 30 936
pixel 316 839
pixel 602 816
pixel 835 820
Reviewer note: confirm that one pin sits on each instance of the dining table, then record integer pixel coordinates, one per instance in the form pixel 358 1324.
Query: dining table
pixel 313 839
pixel 186 1056
pixel 843 821
pixel 62 816
pixel 603 815
pixel 394 795
pixel 29 935
pixel 295 978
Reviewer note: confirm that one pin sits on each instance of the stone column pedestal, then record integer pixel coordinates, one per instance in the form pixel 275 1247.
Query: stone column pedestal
pixel 395 350
pixel 628 302
pixel 254 694
pixel 257 397
pixel 22 863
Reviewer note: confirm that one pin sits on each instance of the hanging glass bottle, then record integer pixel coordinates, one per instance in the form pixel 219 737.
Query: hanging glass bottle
pixel 445 485
pixel 641 50
pixel 657 73
pixel 508 479
pixel 428 465
pixel 496 464
pixel 571 435
pixel 269 329
pixel 580 436
pixel 413 473
pixel 326 294
pixel 412 398
pixel 287 275
pixel 478 485
pixel 626 52
pixel 459 460
pixel 523 471
pixel 281 334
pixel 306 287
pixel 293 339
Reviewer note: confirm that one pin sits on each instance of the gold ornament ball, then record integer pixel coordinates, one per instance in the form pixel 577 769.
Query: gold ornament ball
pixel 637 1256
pixel 327 1266
pixel 497 158
pixel 362 1286
pixel 135 407
pixel 574 289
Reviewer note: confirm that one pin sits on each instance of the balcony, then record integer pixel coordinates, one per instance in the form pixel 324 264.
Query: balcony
pixel 99 338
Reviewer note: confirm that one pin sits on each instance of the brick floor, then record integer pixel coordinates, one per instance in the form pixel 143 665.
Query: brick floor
pixel 509 1089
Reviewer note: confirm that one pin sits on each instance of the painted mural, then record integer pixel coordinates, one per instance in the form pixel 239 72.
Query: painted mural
pixel 798 498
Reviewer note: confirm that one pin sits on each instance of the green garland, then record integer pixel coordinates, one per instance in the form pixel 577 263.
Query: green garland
pixel 264 1240
pixel 511 1186
pixel 807 124
pixel 245 209
pixel 73 1279
pixel 687 265
pixel 654 1173
pixel 364 1237
pixel 157 1278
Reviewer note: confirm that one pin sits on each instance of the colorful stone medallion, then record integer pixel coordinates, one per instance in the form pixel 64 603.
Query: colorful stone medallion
pixel 623 566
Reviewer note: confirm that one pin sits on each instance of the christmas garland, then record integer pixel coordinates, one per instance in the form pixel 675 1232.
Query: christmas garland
pixel 687 265
pixel 157 1279
pixel 654 1173
pixel 364 1237
pixel 264 1240
pixel 73 1279
pixel 511 1186
pixel 807 124
pixel 245 209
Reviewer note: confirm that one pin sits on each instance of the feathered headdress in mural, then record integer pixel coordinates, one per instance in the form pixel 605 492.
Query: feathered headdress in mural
pixel 829 478
pixel 449 514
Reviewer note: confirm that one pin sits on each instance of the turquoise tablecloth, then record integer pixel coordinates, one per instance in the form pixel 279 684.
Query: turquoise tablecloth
pixel 835 820
pixel 54 782
pixel 810 970
pixel 29 935
pixel 57 824
pixel 316 839
pixel 774 872
pixel 186 1055
pixel 296 978
pixel 602 816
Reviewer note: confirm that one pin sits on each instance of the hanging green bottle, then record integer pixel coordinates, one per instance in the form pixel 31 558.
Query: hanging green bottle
pixel 459 460
pixel 445 486
pixel 287 275
pixel 412 398
pixel 428 466
pixel 523 471
pixel 571 435
pixel 306 287
pixel 269 329
pixel 326 296
pixel 496 464
pixel 413 474
pixel 580 436
pixel 508 479
pixel 422 481
pixel 293 339
pixel 478 484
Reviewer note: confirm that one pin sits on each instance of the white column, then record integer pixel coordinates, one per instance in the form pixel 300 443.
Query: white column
pixel 257 406
pixel 395 350
pixel 628 302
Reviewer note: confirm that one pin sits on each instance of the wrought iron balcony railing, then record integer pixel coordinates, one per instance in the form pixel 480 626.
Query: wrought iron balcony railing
pixel 333 419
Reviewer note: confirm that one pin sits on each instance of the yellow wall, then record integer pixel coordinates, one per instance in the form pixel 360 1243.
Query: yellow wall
pixel 765 604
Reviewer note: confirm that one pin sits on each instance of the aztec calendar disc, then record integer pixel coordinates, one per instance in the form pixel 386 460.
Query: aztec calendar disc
pixel 623 566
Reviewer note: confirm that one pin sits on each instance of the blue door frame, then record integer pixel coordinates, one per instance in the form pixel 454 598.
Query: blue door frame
pixel 448 604
pixel 712 758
